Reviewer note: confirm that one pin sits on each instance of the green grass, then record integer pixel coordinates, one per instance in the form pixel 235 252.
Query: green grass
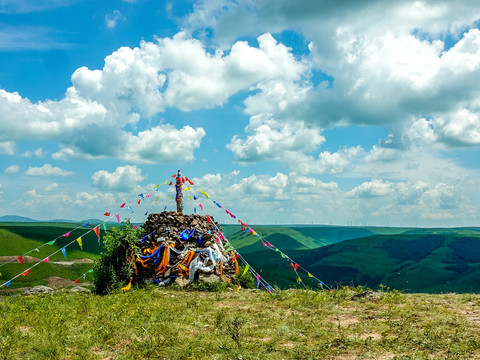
pixel 171 324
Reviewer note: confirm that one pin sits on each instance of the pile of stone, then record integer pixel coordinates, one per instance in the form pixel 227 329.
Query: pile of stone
pixel 183 249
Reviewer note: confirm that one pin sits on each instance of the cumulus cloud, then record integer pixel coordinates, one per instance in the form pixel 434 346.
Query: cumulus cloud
pixel 13 169
pixel 47 170
pixel 273 140
pixel 124 178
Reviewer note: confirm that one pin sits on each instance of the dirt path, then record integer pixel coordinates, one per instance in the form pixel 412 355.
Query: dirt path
pixel 30 259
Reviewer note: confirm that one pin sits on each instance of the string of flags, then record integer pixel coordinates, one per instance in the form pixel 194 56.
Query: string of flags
pixel 267 244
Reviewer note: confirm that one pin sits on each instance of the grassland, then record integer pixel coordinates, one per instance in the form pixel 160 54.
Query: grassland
pixel 293 324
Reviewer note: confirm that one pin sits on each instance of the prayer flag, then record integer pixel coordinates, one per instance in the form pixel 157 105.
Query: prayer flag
pixel 165 183
pixel 7 284
pixel 130 209
pixel 76 281
pixel 299 280
pixel 138 201
pixel 165 208
pixel 263 243
pixel 321 284
pixel 122 205
pixel 134 227
pixel 89 271
pixel 296 267
pixel 156 186
pixel 64 252
pixel 67 234
pixel 258 280
pixel 36 249
pixel 291 264
pixel 148 195
pixel 20 258
pixel 187 188
pixel 269 244
pixel 25 272
pixel 201 206
pixel 107 213
pixel 246 269
pixel 126 288
pixel 195 209
pixel 194 197
pixel 309 275
pixel 169 197
pixel 79 240
pixel 174 175
pixel 51 242
pixel 158 197
pixel 269 289
pixel 170 183
pixel 141 196
pixel 146 213
pixel 96 231
pixel 46 259
pixel 86 224
pixel 239 287
pixel 118 217
pixel 208 219
pixel 190 197
pixel 104 227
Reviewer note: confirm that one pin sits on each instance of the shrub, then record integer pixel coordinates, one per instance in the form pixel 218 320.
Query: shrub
pixel 246 281
pixel 113 270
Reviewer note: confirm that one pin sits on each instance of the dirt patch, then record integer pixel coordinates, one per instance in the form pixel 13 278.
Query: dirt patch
pixel 374 336
pixel 76 261
pixel 24 328
pixel 472 316
pixel 26 258
pixel 346 320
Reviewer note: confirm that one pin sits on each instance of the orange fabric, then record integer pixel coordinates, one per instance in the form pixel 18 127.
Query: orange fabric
pixel 236 266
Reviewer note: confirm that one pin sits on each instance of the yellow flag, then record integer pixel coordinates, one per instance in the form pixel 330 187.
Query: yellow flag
pixel 158 197
pixel 254 233
pixel 187 188
pixel 126 288
pixel 190 198
pixel 239 287
pixel 156 186
pixel 165 183
pixel 169 197
pixel 310 275
pixel 204 193
pixel 79 240
pixel 299 280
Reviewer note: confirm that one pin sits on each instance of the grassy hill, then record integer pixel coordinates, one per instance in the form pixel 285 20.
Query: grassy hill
pixel 172 324
pixel 18 238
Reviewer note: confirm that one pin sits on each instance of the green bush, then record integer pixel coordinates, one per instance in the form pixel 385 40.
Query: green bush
pixel 112 270
pixel 246 281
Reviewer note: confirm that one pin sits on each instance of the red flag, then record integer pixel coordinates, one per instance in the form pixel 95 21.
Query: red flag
pixel 291 264
pixel 96 231
pixel 26 272
pixel 174 175
pixel 138 201
pixel 170 183
pixel 20 258
pixel 208 219
pixel 107 213
pixel 76 281
pixel 235 257
pixel 296 267
pixel 122 205
pixel 189 181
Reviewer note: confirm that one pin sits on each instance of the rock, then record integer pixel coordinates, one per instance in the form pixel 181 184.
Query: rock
pixel 80 290
pixel 182 281
pixel 209 278
pixel 40 289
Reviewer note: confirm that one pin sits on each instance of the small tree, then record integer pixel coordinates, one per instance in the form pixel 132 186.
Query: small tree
pixel 113 270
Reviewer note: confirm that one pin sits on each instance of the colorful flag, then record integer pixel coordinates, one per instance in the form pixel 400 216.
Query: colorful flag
pixel 130 209
pixel 156 186
pixel 51 242
pixel 134 227
pixel 165 183
pixel 296 267
pixel 309 275
pixel 269 244
pixel 138 201
pixel 158 197
pixel 7 284
pixel 46 259
pixel 107 213
pixel 122 205
pixel 263 243
pixel 67 234
pixel 299 280
pixel 141 196
pixel 104 226
pixel 258 280
pixel 25 272
pixel 148 195
pixel 246 269
pixel 96 231
pixel 79 240
pixel 126 288
pixel 20 258
pixel 165 208
pixel 64 252
pixel 118 217
pixel 201 206
pixel 146 213
pixel 76 281
pixel 169 197
pixel 86 224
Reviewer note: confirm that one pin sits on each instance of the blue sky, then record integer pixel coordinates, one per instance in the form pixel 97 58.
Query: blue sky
pixel 283 111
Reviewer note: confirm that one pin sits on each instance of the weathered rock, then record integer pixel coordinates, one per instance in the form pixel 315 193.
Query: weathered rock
pixel 80 290
pixel 40 289
pixel 209 278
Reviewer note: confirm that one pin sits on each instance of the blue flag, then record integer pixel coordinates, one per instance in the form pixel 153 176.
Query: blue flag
pixel 130 209
pixel 64 252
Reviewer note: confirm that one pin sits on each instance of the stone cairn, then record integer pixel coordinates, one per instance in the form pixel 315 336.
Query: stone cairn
pixel 183 248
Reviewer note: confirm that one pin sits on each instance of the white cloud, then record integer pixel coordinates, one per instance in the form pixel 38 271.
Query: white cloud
pixel 13 169
pixel 114 18
pixel 47 170
pixel 7 147
pixel 274 140
pixel 124 178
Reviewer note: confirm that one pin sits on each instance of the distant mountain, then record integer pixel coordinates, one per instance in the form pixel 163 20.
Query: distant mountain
pixel 61 221
pixel 15 218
